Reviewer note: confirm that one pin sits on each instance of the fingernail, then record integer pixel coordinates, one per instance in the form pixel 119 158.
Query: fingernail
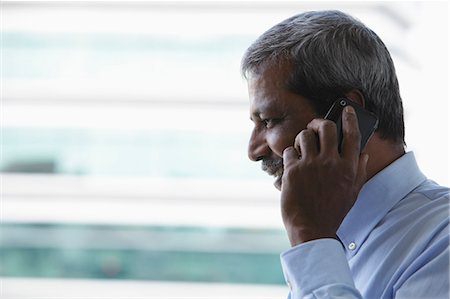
pixel 349 109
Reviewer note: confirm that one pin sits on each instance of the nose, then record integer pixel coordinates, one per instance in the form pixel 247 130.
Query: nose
pixel 257 146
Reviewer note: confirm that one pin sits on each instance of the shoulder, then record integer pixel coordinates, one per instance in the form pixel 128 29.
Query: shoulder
pixel 421 217
pixel 433 191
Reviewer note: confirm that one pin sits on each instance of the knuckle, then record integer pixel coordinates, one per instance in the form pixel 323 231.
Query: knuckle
pixel 288 151
pixel 305 135
pixel 315 124
pixel 309 163
pixel 328 125
pixel 328 162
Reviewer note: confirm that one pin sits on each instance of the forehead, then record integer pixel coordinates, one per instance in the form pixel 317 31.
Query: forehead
pixel 268 91
pixel 267 86
pixel 269 95
pixel 269 79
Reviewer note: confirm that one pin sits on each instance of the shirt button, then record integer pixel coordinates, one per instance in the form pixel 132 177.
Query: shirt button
pixel 289 285
pixel 352 246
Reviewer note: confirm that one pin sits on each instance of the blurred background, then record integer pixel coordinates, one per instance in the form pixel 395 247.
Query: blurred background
pixel 124 128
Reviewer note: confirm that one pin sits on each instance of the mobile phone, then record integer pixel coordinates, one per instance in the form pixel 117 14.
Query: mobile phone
pixel 368 122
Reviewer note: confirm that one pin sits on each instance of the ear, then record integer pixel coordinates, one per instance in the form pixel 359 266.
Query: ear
pixel 356 96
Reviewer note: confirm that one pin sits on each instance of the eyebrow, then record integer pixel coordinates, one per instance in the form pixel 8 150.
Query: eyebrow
pixel 264 107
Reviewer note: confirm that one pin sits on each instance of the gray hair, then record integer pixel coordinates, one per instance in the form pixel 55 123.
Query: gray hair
pixel 331 53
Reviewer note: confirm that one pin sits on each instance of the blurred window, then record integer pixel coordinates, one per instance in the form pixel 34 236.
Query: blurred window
pixel 124 136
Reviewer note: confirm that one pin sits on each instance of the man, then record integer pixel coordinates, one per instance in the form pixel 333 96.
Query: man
pixel 361 225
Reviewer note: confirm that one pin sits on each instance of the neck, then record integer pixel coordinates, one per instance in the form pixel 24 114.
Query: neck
pixel 381 154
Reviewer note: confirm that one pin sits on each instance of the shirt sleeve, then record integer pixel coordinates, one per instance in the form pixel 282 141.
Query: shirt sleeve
pixel 318 269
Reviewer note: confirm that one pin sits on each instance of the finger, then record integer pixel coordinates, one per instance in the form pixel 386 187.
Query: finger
pixel 327 132
pixel 290 154
pixel 306 143
pixel 352 137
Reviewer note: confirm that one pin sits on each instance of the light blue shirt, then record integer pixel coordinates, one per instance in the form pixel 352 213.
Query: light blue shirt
pixel 395 243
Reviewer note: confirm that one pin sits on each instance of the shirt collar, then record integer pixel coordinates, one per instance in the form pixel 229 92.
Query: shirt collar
pixel 379 195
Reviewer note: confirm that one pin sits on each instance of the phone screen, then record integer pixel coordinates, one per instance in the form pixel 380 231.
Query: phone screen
pixel 367 121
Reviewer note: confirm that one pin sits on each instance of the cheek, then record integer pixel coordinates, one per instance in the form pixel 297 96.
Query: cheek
pixel 279 140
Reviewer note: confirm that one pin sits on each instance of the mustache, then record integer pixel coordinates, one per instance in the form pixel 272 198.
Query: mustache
pixel 272 167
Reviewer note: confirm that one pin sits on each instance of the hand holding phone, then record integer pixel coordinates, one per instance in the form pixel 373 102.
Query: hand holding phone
pixel 367 121
pixel 320 187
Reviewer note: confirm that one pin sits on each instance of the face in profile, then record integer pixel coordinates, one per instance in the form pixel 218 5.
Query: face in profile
pixel 278 116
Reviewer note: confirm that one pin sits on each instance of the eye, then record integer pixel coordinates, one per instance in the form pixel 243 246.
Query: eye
pixel 266 122
pixel 270 122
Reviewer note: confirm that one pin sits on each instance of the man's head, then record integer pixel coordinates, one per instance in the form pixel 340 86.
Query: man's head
pixel 298 67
